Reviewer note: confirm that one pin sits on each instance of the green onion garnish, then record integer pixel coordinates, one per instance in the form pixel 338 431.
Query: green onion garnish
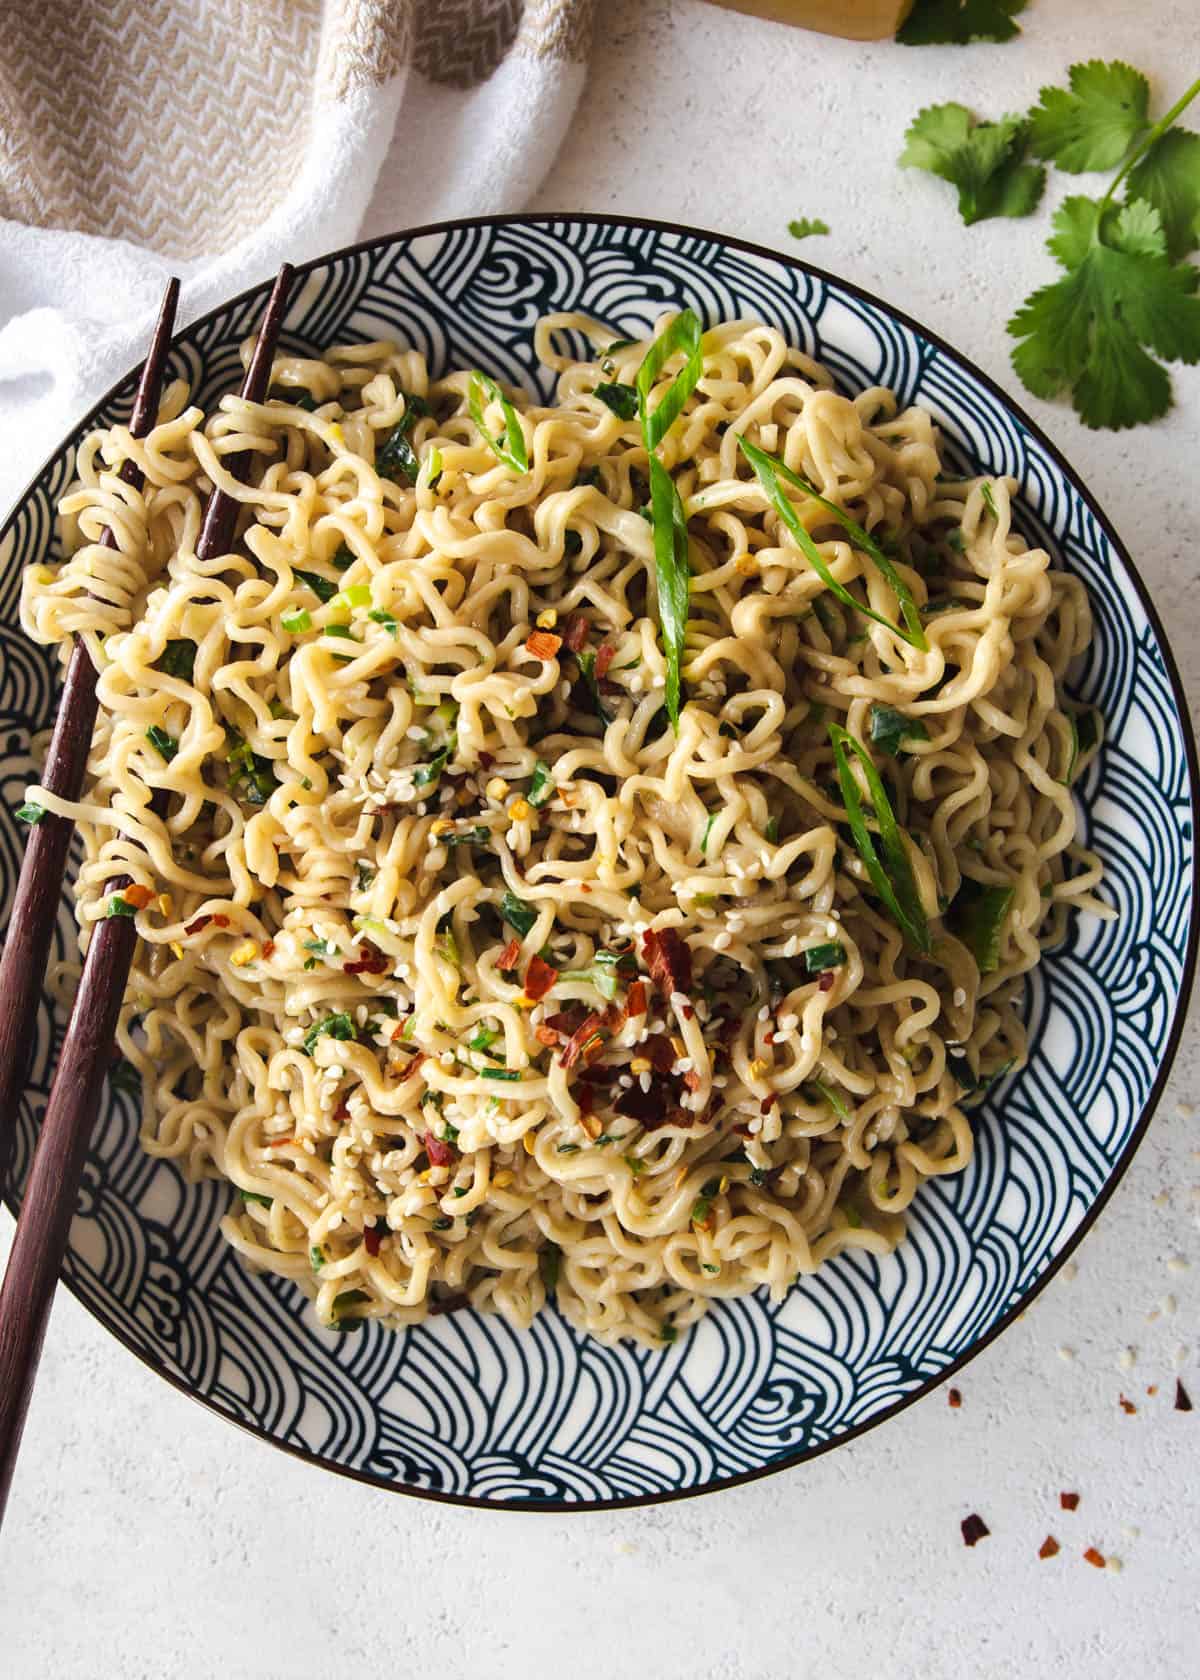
pixel 382 616
pixel 297 621
pixel 316 1257
pixel 358 595
pixel 30 813
pixel 893 877
pixel 549 1262
pixel 323 588
pixel 253 1196
pixel 509 1074
pixel 541 788
pixel 165 745
pixel 683 334
pixel 977 918
pixel 179 659
pixel 396 454
pixel 818 958
pixel 768 468
pixel 712 817
pixel 672 573
pixel 119 906
pixel 517 913
pixel 427 774
pixel 1085 732
pixel 890 728
pixel 510 448
pixel 827 1094
pixel 622 399
pixel 333 1026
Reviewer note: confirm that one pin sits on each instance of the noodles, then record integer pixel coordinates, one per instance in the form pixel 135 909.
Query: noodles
pixel 476 977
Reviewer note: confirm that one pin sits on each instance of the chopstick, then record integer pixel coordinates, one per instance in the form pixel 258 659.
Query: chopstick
pixel 50 1195
pixel 35 906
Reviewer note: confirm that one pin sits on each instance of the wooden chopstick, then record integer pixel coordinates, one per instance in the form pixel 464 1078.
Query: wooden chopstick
pixel 50 1194
pixel 35 906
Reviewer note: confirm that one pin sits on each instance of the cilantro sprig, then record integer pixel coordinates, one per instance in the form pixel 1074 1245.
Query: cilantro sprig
pixel 954 23
pixel 805 227
pixel 984 160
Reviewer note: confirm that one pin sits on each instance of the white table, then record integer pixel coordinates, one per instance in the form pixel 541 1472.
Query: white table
pixel 147 1538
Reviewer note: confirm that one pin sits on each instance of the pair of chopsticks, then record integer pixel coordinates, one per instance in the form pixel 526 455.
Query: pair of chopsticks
pixel 52 1189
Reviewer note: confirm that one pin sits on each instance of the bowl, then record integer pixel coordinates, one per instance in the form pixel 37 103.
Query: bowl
pixel 463 1408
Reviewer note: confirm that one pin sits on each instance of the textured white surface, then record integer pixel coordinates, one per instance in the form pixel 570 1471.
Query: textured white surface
pixel 146 1538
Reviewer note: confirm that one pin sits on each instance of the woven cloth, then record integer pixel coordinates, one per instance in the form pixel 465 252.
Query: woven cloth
pixel 213 139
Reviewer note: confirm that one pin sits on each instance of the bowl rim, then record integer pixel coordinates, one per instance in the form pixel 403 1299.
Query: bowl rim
pixel 551 220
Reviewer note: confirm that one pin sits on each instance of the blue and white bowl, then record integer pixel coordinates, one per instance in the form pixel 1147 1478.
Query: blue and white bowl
pixel 464 1408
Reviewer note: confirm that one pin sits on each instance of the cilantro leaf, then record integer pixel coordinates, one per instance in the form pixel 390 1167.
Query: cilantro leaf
pixel 983 160
pixel 1167 176
pixel 1094 124
pixel 1121 297
pixel 805 226
pixel 935 23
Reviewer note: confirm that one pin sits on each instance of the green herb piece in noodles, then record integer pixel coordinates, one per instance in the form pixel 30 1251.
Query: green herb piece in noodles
pixel 683 334
pixel 712 817
pixel 977 918
pixel 890 729
pixel 673 576
pixel 251 776
pixel 323 588
pixel 338 1026
pixel 827 1094
pixel 510 446
pixel 426 775
pixel 517 913
pixel 621 399
pixel 974 1084
pixel 316 1257
pixel 253 1196
pixel 342 556
pixel 478 835
pixel 603 973
pixel 396 455
pixel 31 813
pixel 380 615
pixel 541 787
pixel 123 1076
pixel 509 1074
pixel 295 623
pixel 120 906
pixel 817 958
pixel 768 469
pixel 165 745
pixel 1085 733
pixel 179 659
pixel 587 666
pixel 549 1263
pixel 891 876
pixel 484 1038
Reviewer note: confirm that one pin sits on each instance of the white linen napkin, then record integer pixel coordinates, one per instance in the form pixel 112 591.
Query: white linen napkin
pixel 216 139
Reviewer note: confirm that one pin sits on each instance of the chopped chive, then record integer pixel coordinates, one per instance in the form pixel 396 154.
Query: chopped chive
pixel 541 788
pixel 510 447
pixel 892 878
pixel 684 334
pixel 120 906
pixel 818 958
pixel 165 745
pixel 509 1074
pixel 977 918
pixel 30 813
pixel 549 1262
pixel 712 817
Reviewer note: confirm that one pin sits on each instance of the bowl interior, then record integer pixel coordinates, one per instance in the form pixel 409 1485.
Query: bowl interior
pixel 463 1407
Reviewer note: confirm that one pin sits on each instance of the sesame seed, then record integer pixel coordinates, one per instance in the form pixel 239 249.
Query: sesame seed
pixel 960 997
pixel 722 941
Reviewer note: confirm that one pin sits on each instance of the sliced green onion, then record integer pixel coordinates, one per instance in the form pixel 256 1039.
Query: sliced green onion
pixel 621 399
pixel 517 913
pixel 1085 733
pixel 342 556
pixel 683 334
pixel 829 1095
pixel 549 1262
pixel 892 878
pixel 818 958
pixel 333 1026
pixel 296 622
pixel 380 615
pixel 427 774
pixel 773 829
pixel 483 1039
pixel 253 1196
pixel 510 448
pixel 587 667
pixel 479 835
pixel 541 788
pixel 323 588
pixel 316 1257
pixel 509 1074
pixel 119 906
pixel 436 468
pixel 179 659
pixel 358 595
pixel 396 454
pixel 30 813
pixel 889 728
pixel 712 817
pixel 767 469
pixel 673 575
pixel 165 745
pixel 985 491
pixel 977 918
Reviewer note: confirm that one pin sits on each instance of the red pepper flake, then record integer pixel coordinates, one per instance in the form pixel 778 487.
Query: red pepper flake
pixel 1069 1501
pixel 219 921
pixel 1095 1558
pixel 1127 1406
pixel 342 1111
pixel 1153 1389
pixel 539 977
pixel 199 925
pixel 973 1529
pixel 1049 1547
pixel 575 632
pixel 635 1003
pixel 583 887
pixel 138 896
pixel 768 1038
pixel 509 957
pixel 268 949
pixel 440 1153
pixel 659 1052
pixel 954 1398
pixel 587 1030
pixel 412 1066
pixel 542 644
pixel 1183 1400
pixel 545 1035
pixel 605 654
pixel 373 1237
pixel 827 980
pixel 593 1050
pixel 692 1081
pixel 486 760
pixel 653 1108
pixel 565 1021
pixel 767 1104
pixel 669 960
pixel 586 1099
pixel 367 960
